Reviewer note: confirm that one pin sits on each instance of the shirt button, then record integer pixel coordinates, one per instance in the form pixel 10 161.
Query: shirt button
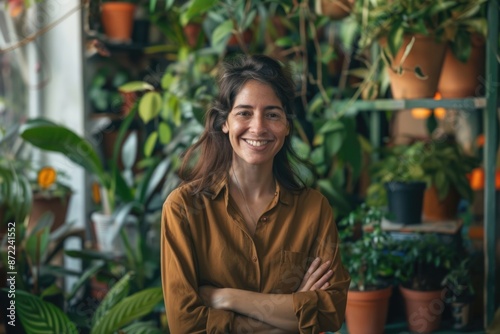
pixel 254 259
pixel 264 219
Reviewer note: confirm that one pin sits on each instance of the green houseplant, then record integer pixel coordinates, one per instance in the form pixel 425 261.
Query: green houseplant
pixel 121 310
pixel 15 186
pixel 465 31
pixel 446 167
pixel 406 30
pixel 368 255
pixel 398 179
pixel 50 194
pixel 127 202
pixel 426 261
pixel 460 292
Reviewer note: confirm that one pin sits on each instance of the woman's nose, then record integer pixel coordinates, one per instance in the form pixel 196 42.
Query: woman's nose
pixel 257 124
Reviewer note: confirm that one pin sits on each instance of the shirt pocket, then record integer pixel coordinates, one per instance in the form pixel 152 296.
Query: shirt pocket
pixel 292 267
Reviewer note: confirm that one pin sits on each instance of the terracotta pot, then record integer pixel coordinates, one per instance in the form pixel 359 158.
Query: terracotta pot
pixel 98 289
pixel 407 85
pixel 439 210
pixel 117 19
pixel 42 204
pixel 336 9
pixel 423 309
pixel 247 38
pixel 192 31
pixel 366 311
pixel 459 79
pixel 129 99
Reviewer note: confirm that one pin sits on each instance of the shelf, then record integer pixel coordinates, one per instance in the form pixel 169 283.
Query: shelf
pixel 351 107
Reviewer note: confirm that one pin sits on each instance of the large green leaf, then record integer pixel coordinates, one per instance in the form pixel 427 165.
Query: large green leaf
pixel 52 137
pixel 40 317
pixel 142 327
pixel 129 151
pixel 135 86
pixel 150 144
pixel 222 32
pixel 38 240
pixel 118 292
pixel 150 106
pixel 129 309
pixel 395 39
pixel 197 7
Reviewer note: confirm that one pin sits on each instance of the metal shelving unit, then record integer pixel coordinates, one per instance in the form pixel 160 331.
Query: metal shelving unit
pixel 489 105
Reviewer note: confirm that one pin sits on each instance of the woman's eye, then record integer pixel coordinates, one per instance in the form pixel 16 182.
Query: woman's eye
pixel 243 113
pixel 274 115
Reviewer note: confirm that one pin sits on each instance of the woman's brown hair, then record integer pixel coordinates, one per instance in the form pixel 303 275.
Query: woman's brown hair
pixel 213 150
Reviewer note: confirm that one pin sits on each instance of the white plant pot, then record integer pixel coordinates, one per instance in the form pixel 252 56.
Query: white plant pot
pixel 108 233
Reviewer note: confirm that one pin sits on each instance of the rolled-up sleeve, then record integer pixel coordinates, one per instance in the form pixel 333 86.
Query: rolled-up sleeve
pixel 324 310
pixel 186 312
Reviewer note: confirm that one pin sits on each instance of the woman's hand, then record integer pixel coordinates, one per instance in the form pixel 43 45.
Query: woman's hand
pixel 316 277
pixel 213 297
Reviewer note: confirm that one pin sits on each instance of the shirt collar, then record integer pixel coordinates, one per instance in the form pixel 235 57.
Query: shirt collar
pixel 285 196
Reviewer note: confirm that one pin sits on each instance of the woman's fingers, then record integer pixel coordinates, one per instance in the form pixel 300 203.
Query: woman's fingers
pixel 316 276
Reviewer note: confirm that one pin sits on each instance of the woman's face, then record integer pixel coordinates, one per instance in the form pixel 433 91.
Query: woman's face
pixel 256 125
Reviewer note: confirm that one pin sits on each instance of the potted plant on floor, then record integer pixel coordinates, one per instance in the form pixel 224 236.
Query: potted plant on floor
pixel 398 179
pixel 460 292
pixel 426 261
pixel 367 253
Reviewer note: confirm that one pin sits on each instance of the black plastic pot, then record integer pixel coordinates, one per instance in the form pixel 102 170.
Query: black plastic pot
pixel 405 200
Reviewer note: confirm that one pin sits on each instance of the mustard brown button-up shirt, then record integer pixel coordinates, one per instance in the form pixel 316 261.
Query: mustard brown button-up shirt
pixel 206 242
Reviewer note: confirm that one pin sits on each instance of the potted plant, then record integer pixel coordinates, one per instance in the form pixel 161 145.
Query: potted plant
pixel 120 196
pixel 426 261
pixel 460 292
pixel 117 19
pixel 50 194
pixel 398 179
pixel 446 167
pixel 406 30
pixel 464 64
pixel 368 257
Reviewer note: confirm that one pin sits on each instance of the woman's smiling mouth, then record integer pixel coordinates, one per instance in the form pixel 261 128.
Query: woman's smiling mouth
pixel 256 143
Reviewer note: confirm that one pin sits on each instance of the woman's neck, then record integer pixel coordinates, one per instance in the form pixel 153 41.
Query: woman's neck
pixel 254 181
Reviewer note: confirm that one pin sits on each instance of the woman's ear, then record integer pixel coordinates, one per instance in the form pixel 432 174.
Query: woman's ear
pixel 225 129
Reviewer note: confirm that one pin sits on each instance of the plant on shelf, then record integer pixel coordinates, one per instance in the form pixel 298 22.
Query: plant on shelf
pixel 367 253
pixel 117 18
pixel 50 194
pixel 446 167
pixel 103 91
pixel 426 261
pixel 465 31
pixel 398 179
pixel 406 30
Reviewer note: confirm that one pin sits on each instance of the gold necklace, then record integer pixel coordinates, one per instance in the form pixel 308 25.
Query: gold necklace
pixel 243 196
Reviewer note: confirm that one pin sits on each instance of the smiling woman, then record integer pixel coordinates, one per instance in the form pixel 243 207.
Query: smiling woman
pixel 246 246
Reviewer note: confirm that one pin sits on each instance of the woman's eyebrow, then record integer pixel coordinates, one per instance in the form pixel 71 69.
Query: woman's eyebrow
pixel 247 106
